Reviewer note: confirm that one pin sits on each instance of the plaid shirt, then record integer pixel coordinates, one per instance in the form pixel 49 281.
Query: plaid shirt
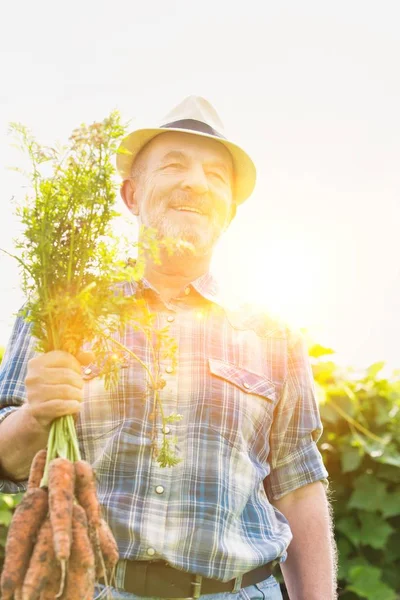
pixel 244 386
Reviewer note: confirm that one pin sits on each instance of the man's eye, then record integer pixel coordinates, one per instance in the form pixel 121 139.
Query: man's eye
pixel 217 175
pixel 173 165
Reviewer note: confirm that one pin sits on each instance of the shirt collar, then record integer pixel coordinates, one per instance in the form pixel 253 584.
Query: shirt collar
pixel 206 285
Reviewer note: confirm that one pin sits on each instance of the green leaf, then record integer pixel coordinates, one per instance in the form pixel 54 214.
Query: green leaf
pixel 366 582
pixel 375 531
pixel 368 493
pixel 391 576
pixel 6 501
pixel 390 458
pixel 317 351
pixel 328 414
pixel 382 414
pixel 350 459
pixel 390 506
pixel 350 528
pixel 3 537
pixel 5 517
pixel 392 550
pixel 345 549
pixel 324 372
pixel 374 369
pixel 374 448
pixel 173 418
pixel 346 564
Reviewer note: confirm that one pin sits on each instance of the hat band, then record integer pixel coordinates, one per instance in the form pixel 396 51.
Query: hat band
pixel 194 125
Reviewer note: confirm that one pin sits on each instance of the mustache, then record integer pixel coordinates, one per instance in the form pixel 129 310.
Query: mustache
pixel 182 198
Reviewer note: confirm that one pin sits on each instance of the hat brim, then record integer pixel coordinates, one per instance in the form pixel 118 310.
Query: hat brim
pixel 244 168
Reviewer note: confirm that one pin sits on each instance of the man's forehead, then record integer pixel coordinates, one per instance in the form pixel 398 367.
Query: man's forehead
pixel 187 143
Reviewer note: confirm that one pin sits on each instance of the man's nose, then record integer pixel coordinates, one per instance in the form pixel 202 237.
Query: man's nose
pixel 195 180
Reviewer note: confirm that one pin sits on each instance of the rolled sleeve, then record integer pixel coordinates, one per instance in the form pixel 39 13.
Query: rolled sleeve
pixel 294 456
pixel 13 371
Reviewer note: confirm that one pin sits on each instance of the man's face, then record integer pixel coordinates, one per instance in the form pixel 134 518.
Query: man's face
pixel 183 188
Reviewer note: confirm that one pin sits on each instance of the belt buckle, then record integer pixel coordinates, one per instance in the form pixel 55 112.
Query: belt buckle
pixel 196 586
pixel 237 585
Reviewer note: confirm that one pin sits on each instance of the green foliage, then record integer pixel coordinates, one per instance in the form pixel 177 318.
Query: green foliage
pixel 73 265
pixel 67 253
pixel 361 450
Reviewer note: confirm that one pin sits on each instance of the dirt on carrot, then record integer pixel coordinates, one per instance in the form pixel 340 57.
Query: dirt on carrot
pixel 37 469
pixel 52 586
pixel 81 568
pixel 41 564
pixel 61 500
pixel 108 547
pixel 86 493
pixel 24 527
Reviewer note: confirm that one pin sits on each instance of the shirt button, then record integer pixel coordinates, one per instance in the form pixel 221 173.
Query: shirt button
pixel 169 370
pixel 170 319
pixel 187 291
pixel 159 489
pixel 151 551
pixel 246 385
pixel 87 371
pixel 167 429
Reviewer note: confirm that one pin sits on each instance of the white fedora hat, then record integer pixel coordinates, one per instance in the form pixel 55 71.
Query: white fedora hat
pixel 197 116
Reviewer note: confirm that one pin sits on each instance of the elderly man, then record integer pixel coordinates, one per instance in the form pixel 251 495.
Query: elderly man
pixel 249 491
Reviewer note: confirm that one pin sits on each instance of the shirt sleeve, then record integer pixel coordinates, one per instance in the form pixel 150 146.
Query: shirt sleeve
pixel 13 369
pixel 294 457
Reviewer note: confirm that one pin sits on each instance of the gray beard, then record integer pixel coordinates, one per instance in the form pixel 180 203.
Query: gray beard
pixel 202 241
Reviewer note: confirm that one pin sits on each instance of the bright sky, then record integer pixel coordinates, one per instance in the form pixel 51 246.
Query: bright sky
pixel 310 89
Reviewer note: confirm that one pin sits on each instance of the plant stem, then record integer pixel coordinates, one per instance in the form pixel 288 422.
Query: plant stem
pixel 355 424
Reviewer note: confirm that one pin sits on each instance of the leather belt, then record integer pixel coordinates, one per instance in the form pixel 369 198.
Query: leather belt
pixel 157 578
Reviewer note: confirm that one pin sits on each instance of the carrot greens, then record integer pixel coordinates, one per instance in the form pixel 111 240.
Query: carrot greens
pixel 74 266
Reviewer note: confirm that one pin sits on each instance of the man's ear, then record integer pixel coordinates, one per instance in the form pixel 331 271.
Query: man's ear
pixel 128 195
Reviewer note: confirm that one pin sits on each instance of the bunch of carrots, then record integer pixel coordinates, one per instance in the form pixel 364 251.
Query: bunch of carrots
pixel 58 544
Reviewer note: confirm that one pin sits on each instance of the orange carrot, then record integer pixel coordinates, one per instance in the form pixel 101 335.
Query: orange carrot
pixel 86 493
pixel 52 587
pixel 37 469
pixel 80 575
pixel 87 497
pixel 108 546
pixel 61 499
pixel 18 594
pixel 27 519
pixel 41 564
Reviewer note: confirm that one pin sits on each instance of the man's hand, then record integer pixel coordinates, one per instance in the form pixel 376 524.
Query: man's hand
pixel 54 386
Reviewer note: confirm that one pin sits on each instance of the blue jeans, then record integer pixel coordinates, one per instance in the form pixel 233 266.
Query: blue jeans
pixel 265 590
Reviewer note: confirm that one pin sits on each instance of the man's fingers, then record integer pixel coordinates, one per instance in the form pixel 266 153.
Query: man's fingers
pixel 60 408
pixel 46 412
pixel 56 359
pixel 46 393
pixel 53 376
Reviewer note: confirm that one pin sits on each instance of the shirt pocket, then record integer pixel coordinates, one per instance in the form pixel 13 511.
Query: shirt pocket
pixel 109 416
pixel 100 415
pixel 242 406
pixel 106 409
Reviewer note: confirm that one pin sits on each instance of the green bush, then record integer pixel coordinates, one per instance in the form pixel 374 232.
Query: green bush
pixel 361 450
